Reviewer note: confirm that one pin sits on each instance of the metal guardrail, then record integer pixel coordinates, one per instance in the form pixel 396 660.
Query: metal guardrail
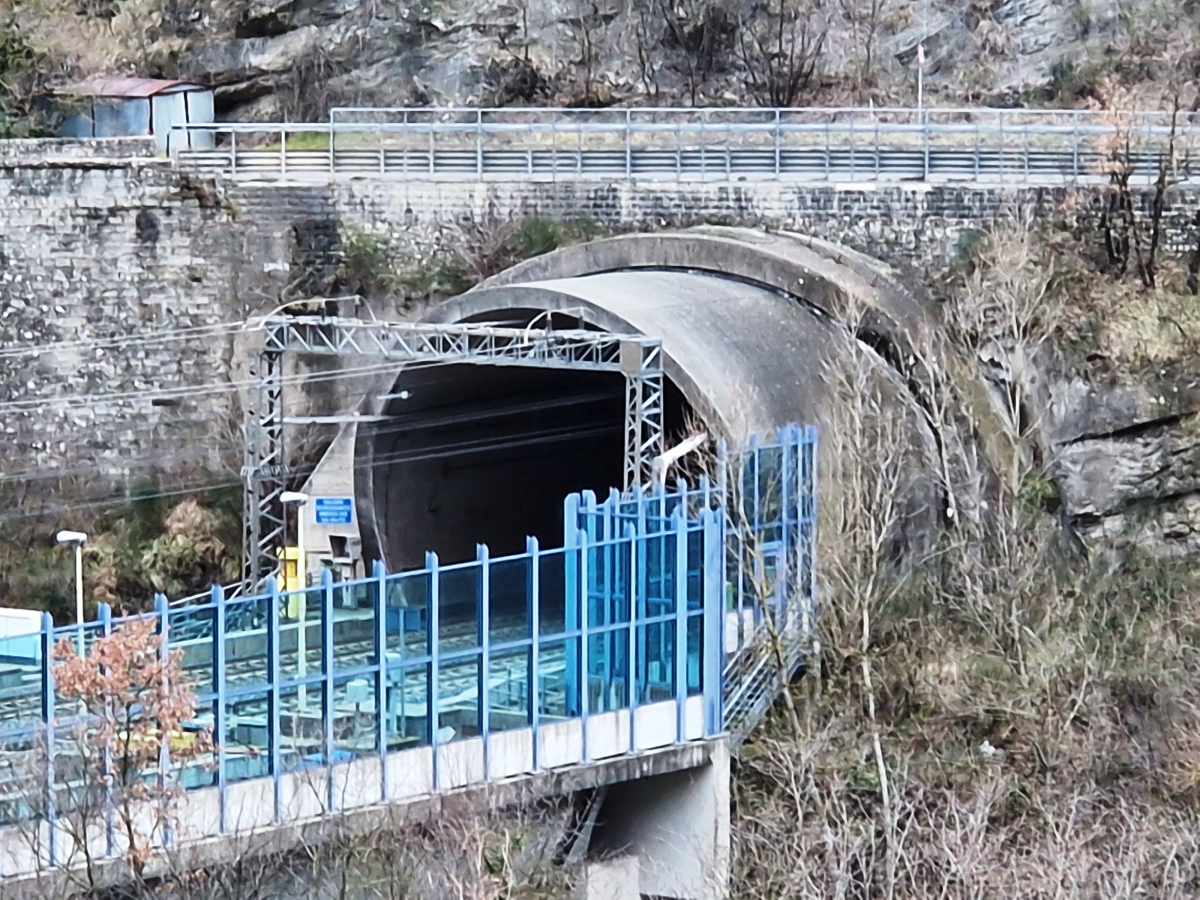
pixel 829 144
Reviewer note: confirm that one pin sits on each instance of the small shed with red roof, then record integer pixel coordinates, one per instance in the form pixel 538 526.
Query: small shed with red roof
pixel 118 106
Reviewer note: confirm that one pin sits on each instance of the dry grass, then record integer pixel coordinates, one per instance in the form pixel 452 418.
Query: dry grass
pixel 1127 327
pixel 1056 757
pixel 1002 718
pixel 1102 324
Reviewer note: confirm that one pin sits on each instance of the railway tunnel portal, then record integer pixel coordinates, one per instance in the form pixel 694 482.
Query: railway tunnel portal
pixel 753 326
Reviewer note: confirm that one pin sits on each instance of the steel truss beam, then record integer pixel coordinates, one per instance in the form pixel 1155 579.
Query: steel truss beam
pixel 636 357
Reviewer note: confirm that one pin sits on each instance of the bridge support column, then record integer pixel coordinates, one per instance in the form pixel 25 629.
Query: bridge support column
pixel 665 836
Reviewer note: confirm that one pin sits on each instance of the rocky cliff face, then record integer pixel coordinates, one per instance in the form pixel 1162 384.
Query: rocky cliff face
pixel 1101 376
pixel 1127 460
pixel 295 58
pixel 273 57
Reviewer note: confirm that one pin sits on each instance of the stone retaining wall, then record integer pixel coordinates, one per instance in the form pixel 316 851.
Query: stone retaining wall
pixel 102 241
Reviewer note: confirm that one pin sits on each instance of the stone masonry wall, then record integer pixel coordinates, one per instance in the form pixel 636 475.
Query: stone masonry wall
pixel 97 252
pixel 102 244
pixel 914 226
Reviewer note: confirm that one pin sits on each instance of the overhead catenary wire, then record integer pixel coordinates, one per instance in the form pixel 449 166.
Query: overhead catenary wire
pixel 122 341
pixel 159 335
pixel 66 402
pixel 457 449
pixel 393 425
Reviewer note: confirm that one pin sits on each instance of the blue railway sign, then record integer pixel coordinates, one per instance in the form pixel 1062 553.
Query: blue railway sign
pixel 335 510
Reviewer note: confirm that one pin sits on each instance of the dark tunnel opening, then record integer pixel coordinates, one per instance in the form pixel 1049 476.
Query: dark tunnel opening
pixel 475 454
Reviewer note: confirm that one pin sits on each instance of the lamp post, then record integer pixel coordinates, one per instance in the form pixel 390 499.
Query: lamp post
pixel 78 538
pixel 298 498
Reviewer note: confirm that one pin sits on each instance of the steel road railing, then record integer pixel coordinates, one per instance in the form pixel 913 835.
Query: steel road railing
pixel 984 146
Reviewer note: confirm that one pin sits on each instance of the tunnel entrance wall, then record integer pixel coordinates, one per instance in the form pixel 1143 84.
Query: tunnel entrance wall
pixel 744 357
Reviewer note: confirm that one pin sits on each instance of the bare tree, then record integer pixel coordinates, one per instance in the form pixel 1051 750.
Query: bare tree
pixel 961 736
pixel 1128 236
pixel 587 29
pixel 865 19
pixel 697 35
pixel 781 45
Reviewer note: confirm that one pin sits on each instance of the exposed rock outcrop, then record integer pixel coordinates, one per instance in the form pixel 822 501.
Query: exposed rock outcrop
pixel 296 58
pixel 1127 461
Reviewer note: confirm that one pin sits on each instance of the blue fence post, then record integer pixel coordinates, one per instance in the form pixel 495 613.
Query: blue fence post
pixel 612 534
pixel 640 553
pixel 571 596
pixel 631 535
pixel 788 439
pixel 722 472
pixel 327 691
pixel 485 656
pixel 680 525
pixel 104 616
pixel 163 610
pixel 274 677
pixel 535 627
pixel 811 490
pixel 713 644
pixel 379 573
pixel 218 658
pixel 431 639
pixel 48 722
pixel 581 541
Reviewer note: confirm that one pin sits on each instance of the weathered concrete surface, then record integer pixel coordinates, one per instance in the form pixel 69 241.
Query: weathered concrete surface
pixel 333 476
pixel 747 359
pixel 835 280
pixel 322 826
pixel 677 826
pixel 617 878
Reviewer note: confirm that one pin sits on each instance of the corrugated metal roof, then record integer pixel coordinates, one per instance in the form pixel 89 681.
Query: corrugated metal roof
pixel 102 86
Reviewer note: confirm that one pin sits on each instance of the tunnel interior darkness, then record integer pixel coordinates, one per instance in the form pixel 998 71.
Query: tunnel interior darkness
pixel 474 454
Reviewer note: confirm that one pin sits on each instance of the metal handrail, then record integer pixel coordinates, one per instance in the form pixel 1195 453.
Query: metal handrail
pixel 767 128
pixel 980 145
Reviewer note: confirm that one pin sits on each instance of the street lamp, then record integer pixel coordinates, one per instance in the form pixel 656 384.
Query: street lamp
pixel 78 538
pixel 299 498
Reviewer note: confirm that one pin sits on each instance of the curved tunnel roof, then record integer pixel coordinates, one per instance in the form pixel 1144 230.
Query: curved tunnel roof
pixel 744 355
pixel 742 347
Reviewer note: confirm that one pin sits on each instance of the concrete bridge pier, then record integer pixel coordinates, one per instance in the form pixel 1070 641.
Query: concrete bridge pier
pixel 664 836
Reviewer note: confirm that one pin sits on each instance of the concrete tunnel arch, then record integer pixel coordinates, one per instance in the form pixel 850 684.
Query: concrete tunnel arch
pixel 751 325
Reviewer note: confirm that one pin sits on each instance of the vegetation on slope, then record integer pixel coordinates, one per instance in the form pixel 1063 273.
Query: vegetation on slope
pixel 1009 713
pixel 178 548
pixel 1005 721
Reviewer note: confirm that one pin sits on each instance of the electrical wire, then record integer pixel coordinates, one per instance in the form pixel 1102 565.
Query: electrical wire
pixel 122 341
pixel 154 336
pixel 394 425
pixel 212 387
pixel 438 452
pixel 122 500
pixel 63 404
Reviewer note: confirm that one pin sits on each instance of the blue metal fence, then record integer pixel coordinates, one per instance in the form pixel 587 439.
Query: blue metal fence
pixel 632 610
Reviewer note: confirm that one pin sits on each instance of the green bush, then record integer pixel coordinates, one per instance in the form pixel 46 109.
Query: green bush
pixel 535 237
pixel 366 263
